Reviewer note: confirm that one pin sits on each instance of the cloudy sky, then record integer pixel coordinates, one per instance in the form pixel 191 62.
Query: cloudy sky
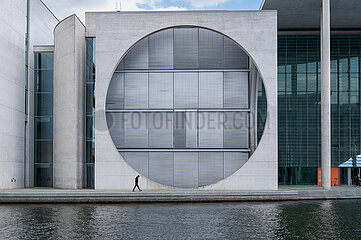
pixel 64 8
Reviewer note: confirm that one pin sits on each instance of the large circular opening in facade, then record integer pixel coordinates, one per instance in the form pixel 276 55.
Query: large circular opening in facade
pixel 179 107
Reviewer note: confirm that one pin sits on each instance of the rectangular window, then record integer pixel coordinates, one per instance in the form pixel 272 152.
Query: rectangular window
pixel 43 119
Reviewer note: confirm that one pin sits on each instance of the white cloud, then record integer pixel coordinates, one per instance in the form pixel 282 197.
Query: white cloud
pixel 64 8
pixel 204 3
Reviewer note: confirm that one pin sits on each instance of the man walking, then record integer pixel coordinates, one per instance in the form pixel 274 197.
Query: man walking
pixel 136 183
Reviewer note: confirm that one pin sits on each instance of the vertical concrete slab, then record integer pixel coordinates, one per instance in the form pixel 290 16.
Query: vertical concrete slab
pixel 325 95
pixel 69 102
pixel 12 88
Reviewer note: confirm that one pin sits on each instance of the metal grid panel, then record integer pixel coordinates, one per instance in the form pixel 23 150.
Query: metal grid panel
pixel 136 90
pixel 136 130
pixel 210 49
pixel 236 130
pixel 161 50
pixel 191 127
pixel 179 131
pixel 115 96
pixel 210 127
pixel 161 90
pixel 185 48
pixel 138 161
pixel 234 56
pixel 236 90
pixel 185 90
pixel 210 167
pixel 161 167
pixel 160 129
pixel 186 169
pixel 211 90
pixel 137 57
pixel 233 161
pixel 116 127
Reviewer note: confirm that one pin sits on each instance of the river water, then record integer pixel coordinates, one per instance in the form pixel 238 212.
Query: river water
pixel 273 220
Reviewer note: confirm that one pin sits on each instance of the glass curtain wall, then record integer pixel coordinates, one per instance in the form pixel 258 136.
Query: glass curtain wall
pixel 43 119
pixel 90 112
pixel 299 109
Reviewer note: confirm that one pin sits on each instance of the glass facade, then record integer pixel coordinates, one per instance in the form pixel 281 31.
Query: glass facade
pixel 43 119
pixel 299 104
pixel 178 107
pixel 90 112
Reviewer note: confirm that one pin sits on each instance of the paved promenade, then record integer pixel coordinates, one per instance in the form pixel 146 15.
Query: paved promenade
pixel 290 193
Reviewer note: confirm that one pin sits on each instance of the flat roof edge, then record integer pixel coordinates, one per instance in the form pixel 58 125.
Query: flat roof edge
pixel 181 11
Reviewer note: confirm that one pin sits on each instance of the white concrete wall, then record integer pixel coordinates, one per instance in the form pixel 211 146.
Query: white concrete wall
pixel 41 27
pixel 12 88
pixel 69 103
pixel 255 31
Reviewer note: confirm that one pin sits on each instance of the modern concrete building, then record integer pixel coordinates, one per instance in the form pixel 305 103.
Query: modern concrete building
pixel 221 100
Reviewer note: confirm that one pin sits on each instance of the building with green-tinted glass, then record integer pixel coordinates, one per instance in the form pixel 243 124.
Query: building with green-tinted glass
pixel 210 100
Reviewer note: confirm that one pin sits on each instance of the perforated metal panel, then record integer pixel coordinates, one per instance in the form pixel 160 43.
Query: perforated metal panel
pixel 161 167
pixel 186 169
pixel 179 130
pixel 136 90
pixel 233 161
pixel 161 50
pixel 211 90
pixel 137 160
pixel 185 48
pixel 160 90
pixel 210 127
pixel 210 49
pixel 185 90
pixel 236 130
pixel 137 57
pixel 115 96
pixel 136 130
pixel 160 129
pixel 236 90
pixel 210 167
pixel 116 125
pixel 191 127
pixel 234 56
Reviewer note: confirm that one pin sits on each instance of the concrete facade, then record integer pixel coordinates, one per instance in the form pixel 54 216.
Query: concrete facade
pixel 12 92
pixel 17 127
pixel 69 102
pixel 254 31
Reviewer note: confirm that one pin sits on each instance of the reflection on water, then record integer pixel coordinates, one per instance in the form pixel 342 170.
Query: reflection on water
pixel 275 220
